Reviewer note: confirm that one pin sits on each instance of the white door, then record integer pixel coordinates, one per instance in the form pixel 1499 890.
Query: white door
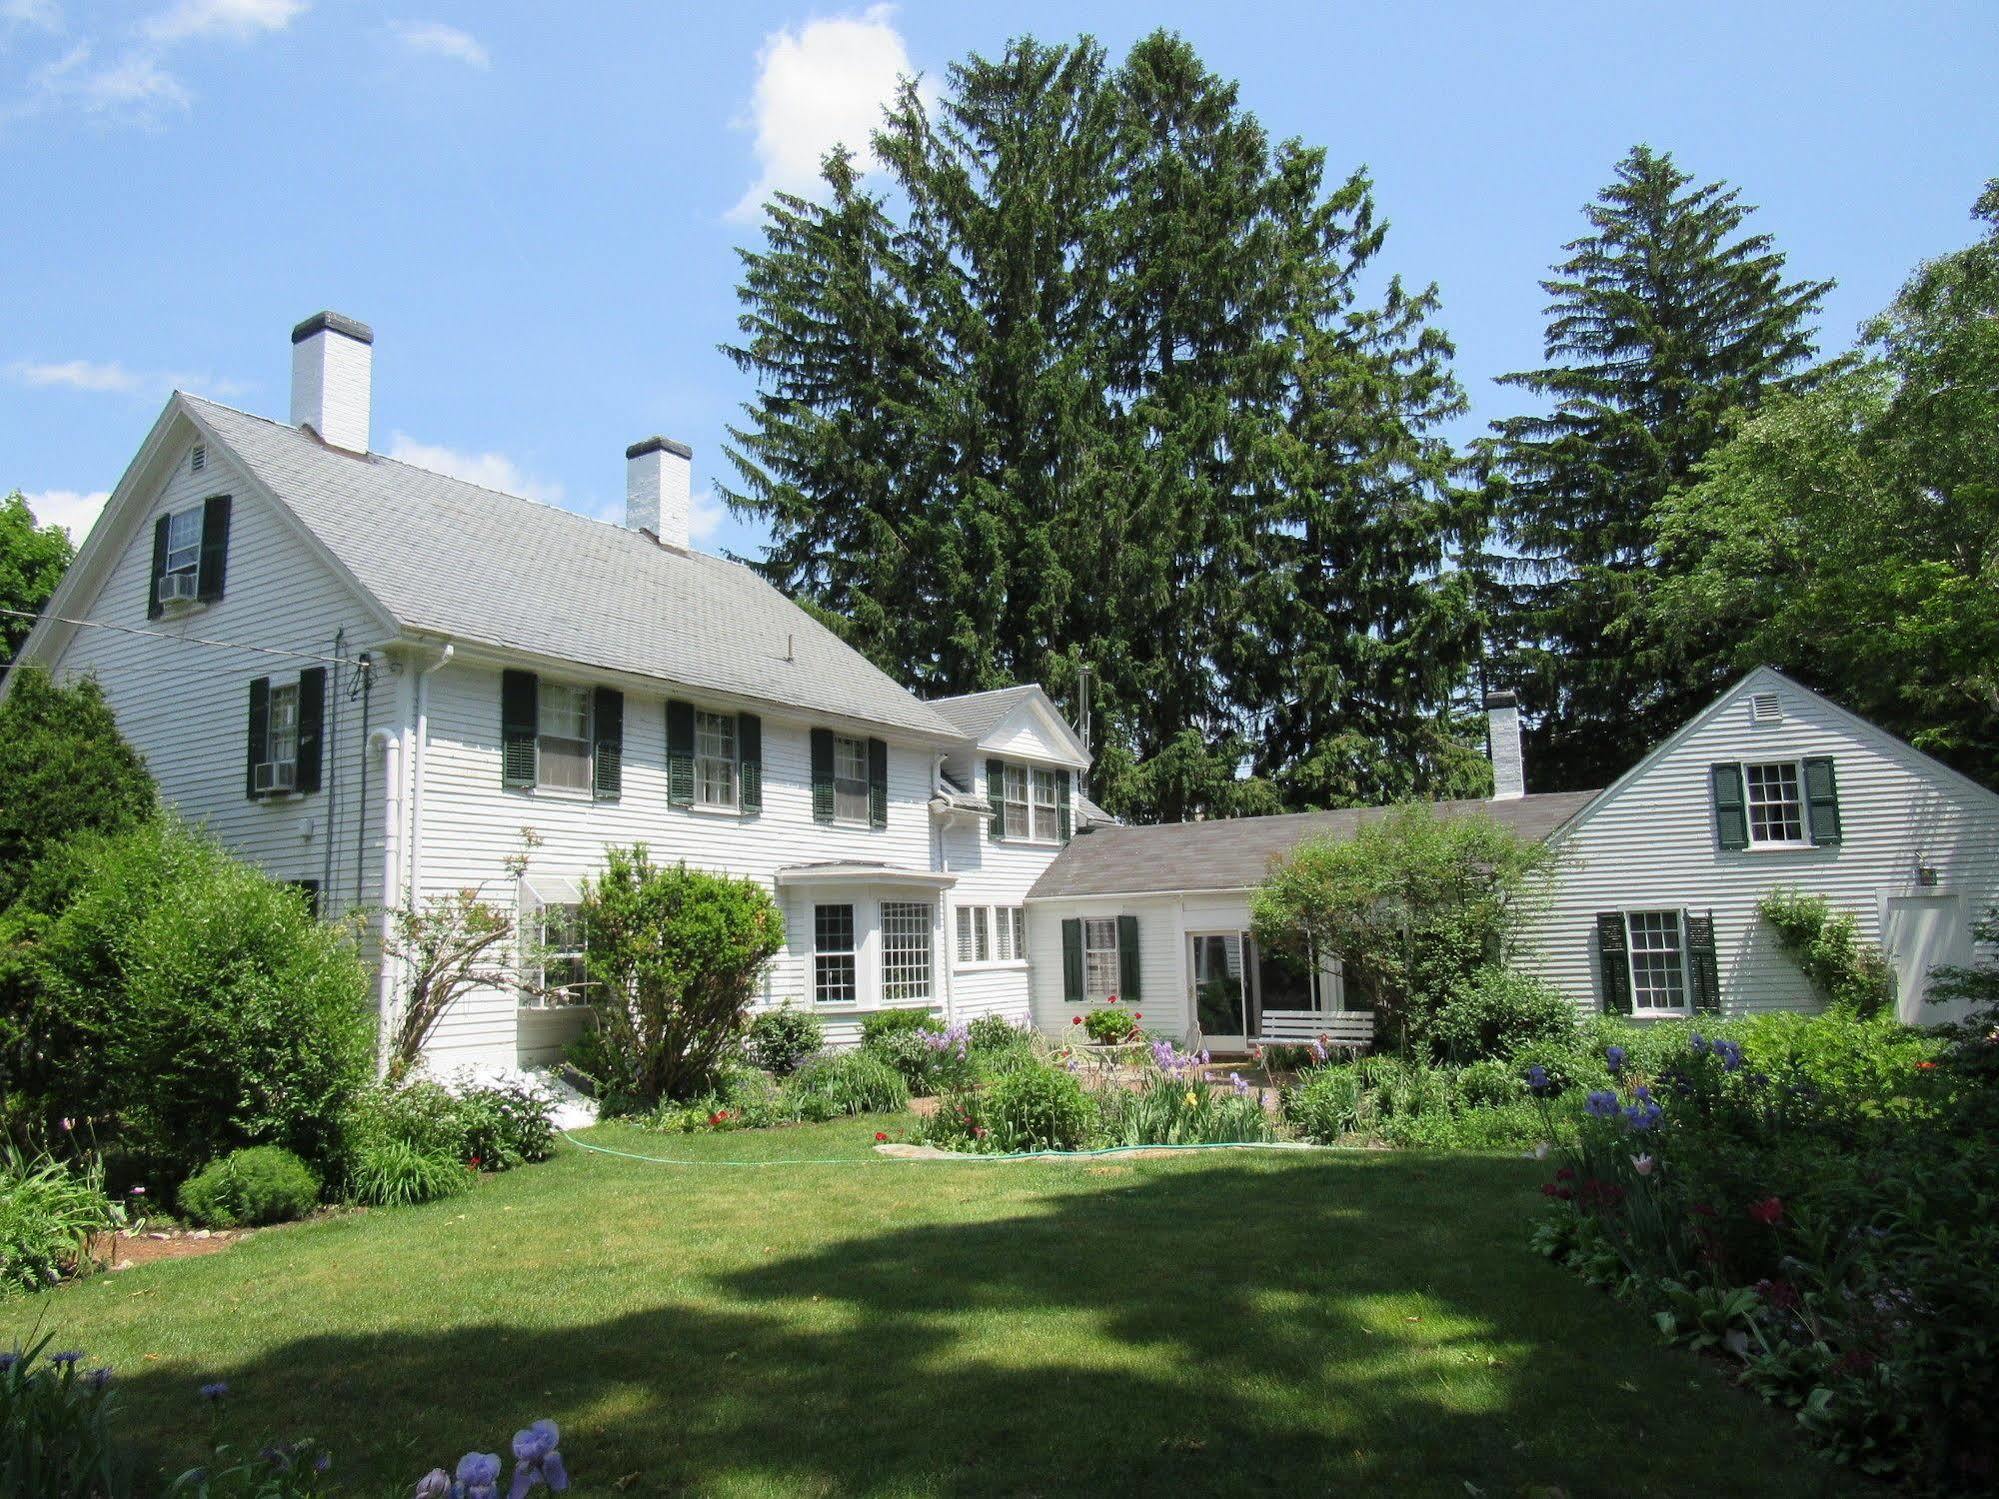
pixel 1921 932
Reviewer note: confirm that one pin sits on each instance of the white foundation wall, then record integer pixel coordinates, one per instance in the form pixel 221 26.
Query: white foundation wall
pixel 1652 845
pixel 472 826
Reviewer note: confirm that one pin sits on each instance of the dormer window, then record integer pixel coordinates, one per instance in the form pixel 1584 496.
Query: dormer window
pixel 1029 804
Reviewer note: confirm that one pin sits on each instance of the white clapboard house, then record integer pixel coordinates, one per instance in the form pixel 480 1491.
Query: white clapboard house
pixel 1653 910
pixel 370 679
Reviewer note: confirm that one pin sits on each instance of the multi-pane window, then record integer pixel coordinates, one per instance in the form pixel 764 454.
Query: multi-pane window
pixel 905 951
pixel 563 734
pixel 1044 806
pixel 833 955
pixel 715 759
pixel 850 779
pixel 1019 925
pixel 1003 947
pixel 562 951
pixel 992 934
pixel 184 542
pixel 967 944
pixel 1100 959
pixel 1016 801
pixel 281 744
pixel 1658 960
pixel 1776 812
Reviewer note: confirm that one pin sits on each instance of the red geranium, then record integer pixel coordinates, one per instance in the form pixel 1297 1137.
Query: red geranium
pixel 880 1136
pixel 1565 1173
pixel 1769 1210
pixel 1111 1000
pixel 1075 1020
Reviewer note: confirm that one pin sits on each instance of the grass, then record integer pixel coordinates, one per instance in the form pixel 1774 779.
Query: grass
pixel 1213 1323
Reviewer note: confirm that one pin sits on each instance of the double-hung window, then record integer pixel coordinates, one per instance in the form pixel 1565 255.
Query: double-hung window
pixel 974 943
pixel 850 779
pixel 833 981
pixel 1016 801
pixel 1658 955
pixel 992 934
pixel 281 745
pixel 1045 825
pixel 1100 958
pixel 905 951
pixel 184 545
pixel 1010 934
pixel 563 733
pixel 715 759
pixel 1775 807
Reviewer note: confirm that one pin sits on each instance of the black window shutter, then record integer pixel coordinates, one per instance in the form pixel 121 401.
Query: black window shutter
pixel 607 769
pixel 260 732
pixel 822 775
pixel 679 753
pixel 1072 960
pixel 1062 814
pixel 214 548
pixel 520 713
pixel 311 726
pixel 308 892
pixel 877 784
pixel 153 610
pixel 1822 800
pixel 1703 973
pixel 1613 962
pixel 1127 958
pixel 1731 817
pixel 750 760
pixel 996 797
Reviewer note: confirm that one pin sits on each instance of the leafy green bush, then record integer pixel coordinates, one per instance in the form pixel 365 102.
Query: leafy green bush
pixel 606 1068
pixel 393 1172
pixel 49 1211
pixel 744 1097
pixel 1181 1110
pixel 884 1023
pixel 1110 1026
pixel 673 961
pixel 1329 1103
pixel 187 997
pixel 258 1184
pixel 1494 1013
pixel 780 1040
pixel 1036 1108
pixel 848 1082
pixel 908 1050
pixel 495 1127
pixel 996 1033
pixel 1509 1126
pixel 1490 1085
pixel 1849 973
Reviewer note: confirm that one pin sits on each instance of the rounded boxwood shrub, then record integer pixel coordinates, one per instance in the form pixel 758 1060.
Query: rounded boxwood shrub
pixel 1036 1108
pixel 779 1041
pixel 260 1184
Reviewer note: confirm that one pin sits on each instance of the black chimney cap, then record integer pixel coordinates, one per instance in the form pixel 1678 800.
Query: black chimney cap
pixel 333 322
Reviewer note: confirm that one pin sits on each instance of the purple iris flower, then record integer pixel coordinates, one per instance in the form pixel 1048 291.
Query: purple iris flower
pixel 1537 1078
pixel 1730 1054
pixel 1641 1117
pixel 1601 1105
pixel 66 1357
pixel 1698 1043
pixel 8 1360
pixel 98 1379
pixel 478 1476
pixel 1614 1055
pixel 536 1461
pixel 214 1390
pixel 436 1484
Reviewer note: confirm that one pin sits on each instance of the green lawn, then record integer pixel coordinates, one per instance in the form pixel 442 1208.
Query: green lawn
pixel 1218 1323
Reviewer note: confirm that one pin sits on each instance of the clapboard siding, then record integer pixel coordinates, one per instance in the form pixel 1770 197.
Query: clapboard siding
pixel 1651 843
pixel 1163 997
pixel 184 706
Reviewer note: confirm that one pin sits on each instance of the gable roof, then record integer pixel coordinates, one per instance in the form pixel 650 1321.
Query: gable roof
pixel 440 556
pixel 979 715
pixel 1235 853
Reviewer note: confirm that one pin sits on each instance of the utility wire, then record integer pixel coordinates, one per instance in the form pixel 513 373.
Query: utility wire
pixel 361 664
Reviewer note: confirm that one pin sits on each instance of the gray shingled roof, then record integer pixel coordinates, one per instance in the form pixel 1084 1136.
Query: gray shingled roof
pixel 1236 853
pixel 977 714
pixel 449 558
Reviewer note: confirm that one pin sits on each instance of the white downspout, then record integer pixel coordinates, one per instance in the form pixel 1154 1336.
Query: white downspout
pixel 941 864
pixel 420 745
pixel 392 819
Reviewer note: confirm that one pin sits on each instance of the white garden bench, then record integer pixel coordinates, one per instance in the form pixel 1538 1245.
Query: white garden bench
pixel 1351 1030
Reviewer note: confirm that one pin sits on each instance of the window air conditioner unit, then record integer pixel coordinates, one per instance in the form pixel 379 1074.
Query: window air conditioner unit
pixel 276 775
pixel 178 588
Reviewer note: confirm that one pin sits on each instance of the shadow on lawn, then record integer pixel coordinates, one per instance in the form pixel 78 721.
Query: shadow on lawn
pixel 1213 1330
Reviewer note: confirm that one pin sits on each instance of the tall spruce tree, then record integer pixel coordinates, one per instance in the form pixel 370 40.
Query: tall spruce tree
pixel 1665 320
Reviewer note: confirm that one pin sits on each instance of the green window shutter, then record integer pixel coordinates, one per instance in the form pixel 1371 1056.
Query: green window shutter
pixel 750 760
pixel 679 753
pixel 520 715
pixel 260 733
pixel 1062 813
pixel 822 775
pixel 607 764
pixel 1072 960
pixel 1613 962
pixel 214 548
pixel 311 726
pixel 877 784
pixel 153 610
pixel 1703 975
pixel 1127 958
pixel 996 799
pixel 1731 817
pixel 1822 801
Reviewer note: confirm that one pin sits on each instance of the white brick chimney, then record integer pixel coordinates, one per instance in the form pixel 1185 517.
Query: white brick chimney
pixel 1502 737
pixel 332 379
pixel 659 481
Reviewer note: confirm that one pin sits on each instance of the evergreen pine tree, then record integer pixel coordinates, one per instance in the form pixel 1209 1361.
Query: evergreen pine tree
pixel 1665 320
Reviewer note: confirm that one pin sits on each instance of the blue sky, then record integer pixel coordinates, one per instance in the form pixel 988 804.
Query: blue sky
pixel 537 206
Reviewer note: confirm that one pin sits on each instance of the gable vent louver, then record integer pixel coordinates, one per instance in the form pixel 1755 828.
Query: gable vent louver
pixel 198 459
pixel 1764 708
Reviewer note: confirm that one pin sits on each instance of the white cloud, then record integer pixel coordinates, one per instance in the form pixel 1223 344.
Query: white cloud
pixel 821 85
pixel 705 514
pixel 489 470
pixel 77 374
pixel 71 509
pixel 41 15
pixel 239 19
pixel 135 89
pixel 435 39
